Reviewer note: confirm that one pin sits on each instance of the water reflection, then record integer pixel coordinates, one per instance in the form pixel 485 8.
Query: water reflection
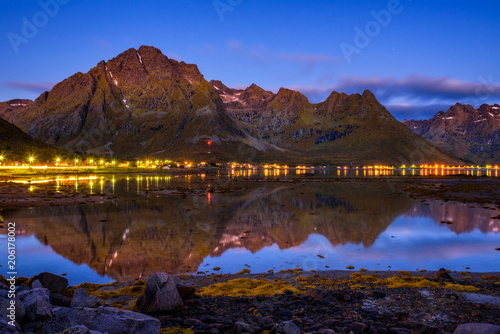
pixel 264 225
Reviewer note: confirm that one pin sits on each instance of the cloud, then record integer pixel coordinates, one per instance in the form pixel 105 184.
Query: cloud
pixel 263 53
pixel 36 87
pixel 423 88
pixel 414 96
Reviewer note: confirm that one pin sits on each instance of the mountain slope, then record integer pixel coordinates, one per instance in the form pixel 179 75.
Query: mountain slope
pixel 15 145
pixel 143 104
pixel 138 103
pixel 342 129
pixel 468 133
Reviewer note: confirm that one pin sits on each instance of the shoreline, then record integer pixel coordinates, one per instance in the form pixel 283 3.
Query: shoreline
pixel 336 301
pixel 465 189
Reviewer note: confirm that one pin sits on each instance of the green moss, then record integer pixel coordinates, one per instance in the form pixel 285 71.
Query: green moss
pixel 247 287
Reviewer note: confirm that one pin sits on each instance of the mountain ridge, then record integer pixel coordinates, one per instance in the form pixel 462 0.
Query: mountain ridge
pixel 469 133
pixel 141 103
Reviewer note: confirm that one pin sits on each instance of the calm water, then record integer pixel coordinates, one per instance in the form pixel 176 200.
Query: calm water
pixel 254 225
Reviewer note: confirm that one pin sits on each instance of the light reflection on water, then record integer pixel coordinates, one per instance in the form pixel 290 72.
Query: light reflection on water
pixel 265 225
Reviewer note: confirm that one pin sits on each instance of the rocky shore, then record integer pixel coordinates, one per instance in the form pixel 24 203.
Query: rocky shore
pixel 290 301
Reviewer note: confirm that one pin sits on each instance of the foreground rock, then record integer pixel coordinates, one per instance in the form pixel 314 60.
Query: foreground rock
pixel 477 329
pixel 160 294
pixel 114 321
pixel 52 282
pixel 333 306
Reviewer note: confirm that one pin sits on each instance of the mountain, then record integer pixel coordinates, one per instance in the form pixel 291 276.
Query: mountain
pixel 8 108
pixel 344 128
pixel 15 145
pixel 471 134
pixel 143 104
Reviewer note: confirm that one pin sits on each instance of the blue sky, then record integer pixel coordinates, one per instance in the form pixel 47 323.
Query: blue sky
pixel 418 57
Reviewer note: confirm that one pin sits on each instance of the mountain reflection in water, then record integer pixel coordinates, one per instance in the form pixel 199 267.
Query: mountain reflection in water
pixel 137 236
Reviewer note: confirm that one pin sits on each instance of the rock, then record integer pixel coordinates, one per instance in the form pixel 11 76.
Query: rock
pixel 477 328
pixel 37 304
pixel 114 321
pixel 266 323
pixel 421 328
pixel 186 292
pixel 443 275
pixel 326 331
pixel 378 294
pixel 82 299
pixel 243 327
pixel 37 285
pixel 5 328
pixel 52 282
pixel 19 309
pixel 193 323
pixel 57 299
pixel 358 328
pixel 288 327
pixel 321 295
pixel 80 329
pixel 160 294
pixel 399 330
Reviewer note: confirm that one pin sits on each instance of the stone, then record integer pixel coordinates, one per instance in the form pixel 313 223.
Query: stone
pixel 52 282
pixel 37 304
pixel 326 331
pixel 186 292
pixel 5 328
pixel 160 294
pixel 57 299
pixel 82 299
pixel 266 322
pixel 321 295
pixel 399 330
pixel 80 329
pixel 193 323
pixel 358 328
pixel 19 312
pixel 421 328
pixel 443 275
pixel 243 327
pixel 378 294
pixel 288 327
pixel 114 321
pixel 37 285
pixel 477 328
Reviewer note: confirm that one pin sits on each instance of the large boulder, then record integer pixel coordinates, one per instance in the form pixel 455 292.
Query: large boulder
pixel 114 321
pixel 477 328
pixel 36 302
pixel 160 294
pixel 82 299
pixel 52 282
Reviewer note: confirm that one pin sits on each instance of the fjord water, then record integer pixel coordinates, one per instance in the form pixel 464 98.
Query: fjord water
pixel 156 224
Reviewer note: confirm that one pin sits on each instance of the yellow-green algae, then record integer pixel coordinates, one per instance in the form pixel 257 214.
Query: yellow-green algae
pixel 408 282
pixel 137 289
pixel 248 287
